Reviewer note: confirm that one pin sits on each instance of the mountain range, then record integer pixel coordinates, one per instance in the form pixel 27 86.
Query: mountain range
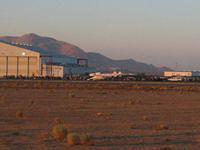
pixel 99 61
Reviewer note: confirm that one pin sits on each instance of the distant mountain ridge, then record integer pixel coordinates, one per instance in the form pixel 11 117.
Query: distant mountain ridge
pixel 129 65
pixel 101 62
pixel 47 43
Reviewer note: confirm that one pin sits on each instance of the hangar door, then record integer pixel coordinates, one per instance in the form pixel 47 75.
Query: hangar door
pixel 19 66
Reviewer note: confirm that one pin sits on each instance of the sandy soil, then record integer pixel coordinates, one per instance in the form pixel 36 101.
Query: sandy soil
pixel 117 115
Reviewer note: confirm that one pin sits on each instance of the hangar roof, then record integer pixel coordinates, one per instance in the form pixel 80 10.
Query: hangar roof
pixel 37 49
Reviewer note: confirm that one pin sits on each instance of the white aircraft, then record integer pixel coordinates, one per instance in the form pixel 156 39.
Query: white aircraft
pixel 102 76
pixel 175 79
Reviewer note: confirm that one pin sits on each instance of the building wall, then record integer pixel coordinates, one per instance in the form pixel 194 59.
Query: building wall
pixel 196 73
pixel 52 71
pixel 78 70
pixel 181 74
pixel 15 61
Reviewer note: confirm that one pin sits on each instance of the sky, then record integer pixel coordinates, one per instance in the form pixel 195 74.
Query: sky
pixel 159 32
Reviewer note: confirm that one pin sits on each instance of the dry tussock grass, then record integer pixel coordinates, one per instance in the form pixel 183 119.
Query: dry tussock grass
pixel 59 132
pixel 57 121
pixel 73 139
pixel 43 137
pixel 71 95
pixel 145 118
pixel 86 139
pixel 161 126
pixel 166 148
pixel 19 114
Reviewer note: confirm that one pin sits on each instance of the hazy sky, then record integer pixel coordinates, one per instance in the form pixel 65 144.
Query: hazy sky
pixel 161 32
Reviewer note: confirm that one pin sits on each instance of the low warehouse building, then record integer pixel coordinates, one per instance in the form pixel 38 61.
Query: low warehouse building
pixel 52 71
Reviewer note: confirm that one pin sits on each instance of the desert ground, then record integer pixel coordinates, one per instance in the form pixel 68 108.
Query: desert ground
pixel 118 115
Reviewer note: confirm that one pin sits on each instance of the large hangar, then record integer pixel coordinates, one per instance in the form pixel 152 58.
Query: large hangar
pixel 24 60
pixel 17 61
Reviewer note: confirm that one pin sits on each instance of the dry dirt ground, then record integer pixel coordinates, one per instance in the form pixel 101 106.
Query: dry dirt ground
pixel 118 115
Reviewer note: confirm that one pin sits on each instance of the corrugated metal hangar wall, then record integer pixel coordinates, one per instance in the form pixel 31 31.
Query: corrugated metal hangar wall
pixel 18 66
pixel 16 61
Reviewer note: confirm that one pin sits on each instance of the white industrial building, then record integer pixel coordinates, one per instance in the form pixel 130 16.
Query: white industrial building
pixel 177 73
pixel 23 60
pixel 182 74
pixel 52 70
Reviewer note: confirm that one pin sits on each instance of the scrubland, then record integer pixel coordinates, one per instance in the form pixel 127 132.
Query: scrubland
pixel 99 115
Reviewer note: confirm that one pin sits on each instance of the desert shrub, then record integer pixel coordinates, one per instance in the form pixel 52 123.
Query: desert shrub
pixel 106 115
pixel 57 121
pixel 131 102
pixel 99 114
pixel 31 102
pixel 162 127
pixel 145 118
pixel 86 139
pixel 166 148
pixel 19 114
pixel 51 91
pixel 134 102
pixel 15 133
pixel 59 132
pixel 167 140
pixel 133 127
pixel 44 136
pixel 198 139
pixel 71 95
pixel 73 139
pixel 103 92
pixel 163 88
pixel 2 97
